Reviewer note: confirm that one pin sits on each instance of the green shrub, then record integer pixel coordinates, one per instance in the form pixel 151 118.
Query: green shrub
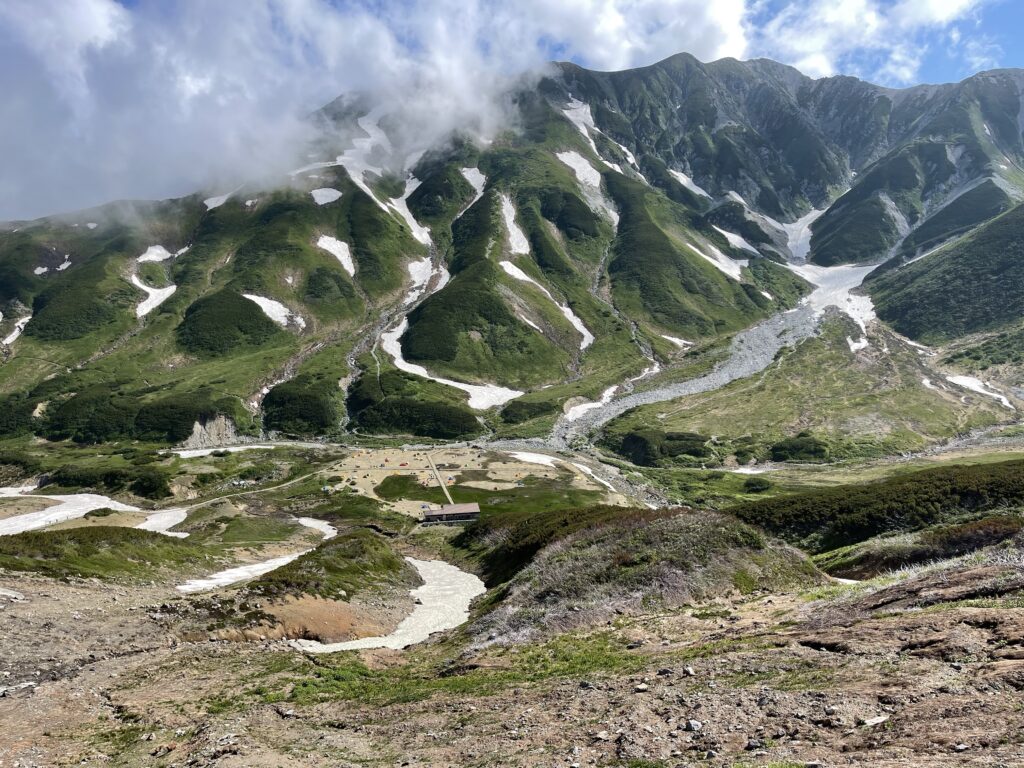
pixel 830 518
pixel 756 484
pixel 803 447
pixel 303 406
pixel 519 411
pixel 224 322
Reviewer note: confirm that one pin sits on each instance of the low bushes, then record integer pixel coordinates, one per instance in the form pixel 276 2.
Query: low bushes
pixel 830 518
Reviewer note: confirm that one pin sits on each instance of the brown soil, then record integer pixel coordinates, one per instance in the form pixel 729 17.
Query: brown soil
pixel 907 675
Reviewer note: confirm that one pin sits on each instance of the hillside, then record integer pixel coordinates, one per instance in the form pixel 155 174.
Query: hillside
pixel 974 285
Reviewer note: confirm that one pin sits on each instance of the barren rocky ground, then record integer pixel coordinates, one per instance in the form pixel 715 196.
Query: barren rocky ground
pixel 926 669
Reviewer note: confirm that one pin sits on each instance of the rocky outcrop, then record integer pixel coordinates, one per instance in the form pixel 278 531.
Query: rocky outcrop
pixel 214 433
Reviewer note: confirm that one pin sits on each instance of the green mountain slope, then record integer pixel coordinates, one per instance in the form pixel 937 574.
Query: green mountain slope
pixel 975 284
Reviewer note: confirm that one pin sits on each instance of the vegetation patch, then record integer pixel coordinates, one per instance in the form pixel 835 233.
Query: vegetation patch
pixel 97 552
pixel 829 518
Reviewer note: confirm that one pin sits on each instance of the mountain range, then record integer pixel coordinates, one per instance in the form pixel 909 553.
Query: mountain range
pixel 765 252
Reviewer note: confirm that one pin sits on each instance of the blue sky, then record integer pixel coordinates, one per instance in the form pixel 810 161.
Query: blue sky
pixel 151 98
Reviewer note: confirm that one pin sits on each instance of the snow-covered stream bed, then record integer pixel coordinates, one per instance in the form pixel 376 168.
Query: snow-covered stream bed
pixel 441 603
pixel 75 505
pixel 239 573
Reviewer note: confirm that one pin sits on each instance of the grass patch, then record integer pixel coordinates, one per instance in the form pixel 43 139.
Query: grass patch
pixel 101 552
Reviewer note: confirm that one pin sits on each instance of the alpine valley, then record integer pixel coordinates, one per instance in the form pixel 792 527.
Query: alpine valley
pixel 723 366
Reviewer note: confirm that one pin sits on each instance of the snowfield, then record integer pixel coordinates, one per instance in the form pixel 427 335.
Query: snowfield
pixel 689 183
pixel 578 410
pixel 590 183
pixel 245 572
pixel 677 341
pixel 154 253
pixel 476 180
pixel 982 388
pixel 154 296
pixel 276 311
pixel 70 507
pixel 516 238
pixel 534 458
pixel 192 453
pixel 833 286
pixel 357 159
pixel 401 204
pixel 730 267
pixel 325 195
pixel 442 603
pixel 19 326
pixel 481 396
pixel 736 241
pixel 164 519
pixel 340 250
pixel 515 272
pixel 585 172
pixel 798 233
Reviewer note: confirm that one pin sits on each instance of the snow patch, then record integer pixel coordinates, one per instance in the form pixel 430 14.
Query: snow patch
pixel 401 204
pixel 70 507
pixel 476 180
pixel 857 346
pixel 217 202
pixel 579 114
pixel 481 396
pixel 40 271
pixel 246 572
pixel 590 181
pixel 64 264
pixel 585 172
pixel 325 195
pixel 593 475
pixel 154 296
pixel 276 311
pixel 163 520
pixel 442 603
pixel 19 326
pixel 340 250
pixel 720 261
pixel 689 183
pixel 578 410
pixel 982 388
pixel 533 458
pixel 516 238
pixel 736 241
pixel 92 225
pixel 192 453
pixel 677 341
pixel 928 384
pixel 515 272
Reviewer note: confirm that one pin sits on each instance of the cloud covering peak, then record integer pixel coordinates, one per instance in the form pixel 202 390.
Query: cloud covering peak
pixel 150 99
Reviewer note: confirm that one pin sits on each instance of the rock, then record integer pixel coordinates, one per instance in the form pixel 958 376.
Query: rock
pixel 961 747
pixel 873 721
pixel 642 688
pixel 753 744
pixel 695 726
pixel 602 736
pixel 689 671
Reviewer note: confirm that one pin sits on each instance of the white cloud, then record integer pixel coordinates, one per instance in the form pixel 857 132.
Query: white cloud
pixel 871 38
pixel 104 101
